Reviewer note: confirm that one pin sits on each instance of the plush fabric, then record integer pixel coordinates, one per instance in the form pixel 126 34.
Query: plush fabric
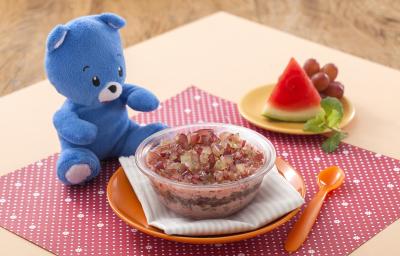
pixel 85 63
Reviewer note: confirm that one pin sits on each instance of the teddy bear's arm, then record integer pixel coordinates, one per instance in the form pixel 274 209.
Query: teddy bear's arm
pixel 73 129
pixel 139 98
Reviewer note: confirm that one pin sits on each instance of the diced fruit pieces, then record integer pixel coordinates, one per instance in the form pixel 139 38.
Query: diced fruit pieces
pixel 202 157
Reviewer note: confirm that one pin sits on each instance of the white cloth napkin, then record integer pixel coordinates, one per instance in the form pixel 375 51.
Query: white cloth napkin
pixel 275 198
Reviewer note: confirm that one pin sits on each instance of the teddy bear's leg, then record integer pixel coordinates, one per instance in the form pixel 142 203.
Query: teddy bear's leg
pixel 77 165
pixel 136 135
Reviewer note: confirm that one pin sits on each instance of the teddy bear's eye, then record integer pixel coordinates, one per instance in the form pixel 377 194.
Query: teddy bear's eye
pixel 95 81
pixel 120 71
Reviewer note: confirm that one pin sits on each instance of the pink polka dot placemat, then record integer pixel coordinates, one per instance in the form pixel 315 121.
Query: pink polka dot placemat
pixel 78 221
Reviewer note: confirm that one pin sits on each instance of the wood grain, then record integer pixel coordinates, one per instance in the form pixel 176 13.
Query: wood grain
pixel 366 28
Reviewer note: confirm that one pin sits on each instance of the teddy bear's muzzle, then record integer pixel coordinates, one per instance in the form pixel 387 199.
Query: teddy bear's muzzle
pixel 110 92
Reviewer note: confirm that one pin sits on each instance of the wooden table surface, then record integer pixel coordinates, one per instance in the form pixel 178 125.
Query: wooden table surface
pixel 365 28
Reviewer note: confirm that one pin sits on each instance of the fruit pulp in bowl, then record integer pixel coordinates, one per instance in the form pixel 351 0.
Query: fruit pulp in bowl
pixel 227 185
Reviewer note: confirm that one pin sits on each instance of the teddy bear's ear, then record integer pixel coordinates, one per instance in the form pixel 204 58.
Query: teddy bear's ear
pixel 56 37
pixel 112 20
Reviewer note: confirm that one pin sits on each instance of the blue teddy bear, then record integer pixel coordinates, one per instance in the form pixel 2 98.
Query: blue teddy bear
pixel 85 63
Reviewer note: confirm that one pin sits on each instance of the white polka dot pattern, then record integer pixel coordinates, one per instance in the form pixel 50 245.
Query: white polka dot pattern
pixel 78 221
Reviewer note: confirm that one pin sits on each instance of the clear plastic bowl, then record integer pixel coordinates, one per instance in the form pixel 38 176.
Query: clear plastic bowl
pixel 206 201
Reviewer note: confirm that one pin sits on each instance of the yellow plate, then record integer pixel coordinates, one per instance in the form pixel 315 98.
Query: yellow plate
pixel 251 105
pixel 125 204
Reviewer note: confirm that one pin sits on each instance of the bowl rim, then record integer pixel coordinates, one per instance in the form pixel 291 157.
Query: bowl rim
pixel 261 171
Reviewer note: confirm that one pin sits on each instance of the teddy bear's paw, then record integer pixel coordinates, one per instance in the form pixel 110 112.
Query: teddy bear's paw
pixel 142 100
pixel 78 173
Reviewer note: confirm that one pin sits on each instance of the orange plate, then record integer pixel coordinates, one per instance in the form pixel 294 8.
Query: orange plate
pixel 125 204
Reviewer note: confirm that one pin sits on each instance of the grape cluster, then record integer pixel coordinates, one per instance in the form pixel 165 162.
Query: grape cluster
pixel 324 78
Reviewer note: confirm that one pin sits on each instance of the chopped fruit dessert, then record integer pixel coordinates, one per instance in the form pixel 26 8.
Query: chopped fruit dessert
pixel 206 170
pixel 324 78
pixel 294 97
pixel 203 157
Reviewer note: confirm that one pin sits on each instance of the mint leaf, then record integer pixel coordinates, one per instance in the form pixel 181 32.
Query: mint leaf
pixel 329 104
pixel 329 117
pixel 316 124
pixel 334 118
pixel 332 143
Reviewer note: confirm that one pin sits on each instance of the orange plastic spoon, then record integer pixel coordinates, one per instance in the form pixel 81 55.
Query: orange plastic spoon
pixel 328 180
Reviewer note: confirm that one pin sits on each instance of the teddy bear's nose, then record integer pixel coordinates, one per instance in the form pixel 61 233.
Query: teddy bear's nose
pixel 112 88
pixel 110 92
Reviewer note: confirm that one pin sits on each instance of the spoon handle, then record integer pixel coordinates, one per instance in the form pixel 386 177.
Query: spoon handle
pixel 302 227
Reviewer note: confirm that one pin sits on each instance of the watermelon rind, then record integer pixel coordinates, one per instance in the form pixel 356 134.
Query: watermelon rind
pixel 301 115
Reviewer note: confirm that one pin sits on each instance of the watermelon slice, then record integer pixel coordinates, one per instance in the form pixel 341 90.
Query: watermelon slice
pixel 294 97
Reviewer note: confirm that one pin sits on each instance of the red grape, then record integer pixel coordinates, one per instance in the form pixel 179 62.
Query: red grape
pixel 311 66
pixel 335 89
pixel 331 70
pixel 320 81
pixel 322 95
